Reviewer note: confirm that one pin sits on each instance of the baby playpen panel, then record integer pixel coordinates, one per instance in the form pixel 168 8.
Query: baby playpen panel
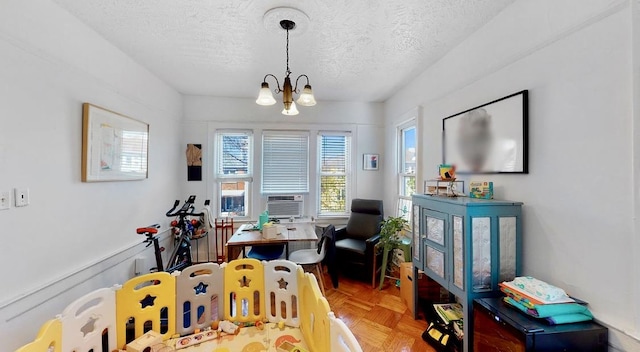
pixel 281 291
pixel 244 291
pixel 314 310
pixel 87 319
pixel 156 302
pixel 49 338
pixel 146 303
pixel 199 300
pixel 342 340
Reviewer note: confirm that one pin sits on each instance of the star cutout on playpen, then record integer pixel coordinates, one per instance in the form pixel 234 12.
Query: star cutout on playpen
pixel 201 288
pixel 89 326
pixel 283 284
pixel 148 301
pixel 244 282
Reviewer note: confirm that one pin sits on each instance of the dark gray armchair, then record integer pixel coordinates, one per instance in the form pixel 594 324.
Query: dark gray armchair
pixel 355 243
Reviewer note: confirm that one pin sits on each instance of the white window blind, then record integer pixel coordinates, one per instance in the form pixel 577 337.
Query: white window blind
pixel 334 159
pixel 285 162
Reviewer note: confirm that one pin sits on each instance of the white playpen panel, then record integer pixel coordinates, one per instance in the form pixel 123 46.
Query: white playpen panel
pixel 199 299
pixel 342 339
pixel 281 290
pixel 86 319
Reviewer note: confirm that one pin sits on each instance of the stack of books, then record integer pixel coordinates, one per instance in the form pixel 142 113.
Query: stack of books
pixel 451 315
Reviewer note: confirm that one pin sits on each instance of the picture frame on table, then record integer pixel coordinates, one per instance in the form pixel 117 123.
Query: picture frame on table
pixel 115 147
pixel 489 139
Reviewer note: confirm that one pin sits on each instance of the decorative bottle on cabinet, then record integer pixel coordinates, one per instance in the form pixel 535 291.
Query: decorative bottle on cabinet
pixel 468 246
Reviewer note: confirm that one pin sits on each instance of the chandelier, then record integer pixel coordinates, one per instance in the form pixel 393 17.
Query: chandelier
pixel 265 97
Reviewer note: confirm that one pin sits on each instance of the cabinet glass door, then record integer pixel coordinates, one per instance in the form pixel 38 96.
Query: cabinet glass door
pixel 507 238
pixel 435 229
pixel 435 241
pixel 416 233
pixel 481 253
pixel 435 260
pixel 458 252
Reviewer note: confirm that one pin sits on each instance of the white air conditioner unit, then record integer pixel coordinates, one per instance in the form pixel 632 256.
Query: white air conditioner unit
pixel 285 206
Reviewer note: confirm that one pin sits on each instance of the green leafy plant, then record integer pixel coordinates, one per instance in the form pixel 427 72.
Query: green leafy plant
pixel 391 232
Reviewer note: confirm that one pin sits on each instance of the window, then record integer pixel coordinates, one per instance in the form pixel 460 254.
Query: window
pixel 334 161
pixel 285 162
pixel 407 168
pixel 234 173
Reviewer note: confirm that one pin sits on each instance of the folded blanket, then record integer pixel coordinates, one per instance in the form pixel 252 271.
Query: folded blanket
pixel 510 286
pixel 568 319
pixel 562 313
pixel 539 289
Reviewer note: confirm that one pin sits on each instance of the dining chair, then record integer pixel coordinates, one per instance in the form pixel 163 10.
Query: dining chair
pixel 315 256
pixel 266 252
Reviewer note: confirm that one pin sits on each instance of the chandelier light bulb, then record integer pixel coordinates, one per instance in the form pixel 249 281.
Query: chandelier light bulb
pixel 292 111
pixel 306 97
pixel 265 97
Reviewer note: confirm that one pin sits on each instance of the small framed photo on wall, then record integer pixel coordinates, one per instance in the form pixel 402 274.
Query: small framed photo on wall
pixel 370 161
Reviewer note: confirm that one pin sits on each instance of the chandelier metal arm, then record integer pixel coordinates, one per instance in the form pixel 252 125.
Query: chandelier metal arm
pixel 297 79
pixel 277 90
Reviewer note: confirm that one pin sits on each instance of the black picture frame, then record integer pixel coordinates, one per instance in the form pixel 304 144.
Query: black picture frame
pixel 492 138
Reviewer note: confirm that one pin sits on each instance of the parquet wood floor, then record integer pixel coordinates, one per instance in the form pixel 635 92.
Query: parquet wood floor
pixel 378 319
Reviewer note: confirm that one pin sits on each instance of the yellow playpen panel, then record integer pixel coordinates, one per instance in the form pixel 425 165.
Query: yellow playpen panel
pixel 314 314
pixel 150 301
pixel 49 338
pixel 244 291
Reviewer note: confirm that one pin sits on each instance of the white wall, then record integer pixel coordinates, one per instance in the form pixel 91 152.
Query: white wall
pixel 204 115
pixel 574 57
pixel 50 64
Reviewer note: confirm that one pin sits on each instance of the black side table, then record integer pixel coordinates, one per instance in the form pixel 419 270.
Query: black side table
pixel 497 327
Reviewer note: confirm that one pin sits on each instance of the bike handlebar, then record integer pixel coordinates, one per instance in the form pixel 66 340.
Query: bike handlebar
pixel 186 209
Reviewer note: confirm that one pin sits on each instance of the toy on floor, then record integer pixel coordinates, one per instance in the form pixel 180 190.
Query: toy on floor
pixel 197 338
pixel 145 342
pixel 289 347
pixel 226 327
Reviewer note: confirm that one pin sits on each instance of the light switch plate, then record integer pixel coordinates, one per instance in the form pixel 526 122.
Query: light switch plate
pixel 21 197
pixel 5 200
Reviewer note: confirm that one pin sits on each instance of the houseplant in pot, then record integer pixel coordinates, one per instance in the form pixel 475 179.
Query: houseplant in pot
pixel 391 232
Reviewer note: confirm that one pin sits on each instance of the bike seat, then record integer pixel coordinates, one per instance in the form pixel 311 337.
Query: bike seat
pixel 145 230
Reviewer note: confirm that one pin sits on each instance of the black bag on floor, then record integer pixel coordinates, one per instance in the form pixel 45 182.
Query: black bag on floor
pixel 440 337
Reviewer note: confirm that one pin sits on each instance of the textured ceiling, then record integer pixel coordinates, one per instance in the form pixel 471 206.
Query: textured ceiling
pixel 360 50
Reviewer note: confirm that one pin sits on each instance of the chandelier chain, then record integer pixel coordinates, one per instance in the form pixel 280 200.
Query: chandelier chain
pixel 288 72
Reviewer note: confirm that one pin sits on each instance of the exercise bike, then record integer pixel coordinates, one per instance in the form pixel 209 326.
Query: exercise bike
pixel 183 228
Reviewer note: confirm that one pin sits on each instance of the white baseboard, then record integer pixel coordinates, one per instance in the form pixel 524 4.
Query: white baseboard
pixel 620 341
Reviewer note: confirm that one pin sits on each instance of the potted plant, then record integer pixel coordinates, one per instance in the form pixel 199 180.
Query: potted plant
pixel 391 232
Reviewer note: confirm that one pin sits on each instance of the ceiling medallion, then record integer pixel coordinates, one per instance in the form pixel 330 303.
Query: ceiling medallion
pixel 306 97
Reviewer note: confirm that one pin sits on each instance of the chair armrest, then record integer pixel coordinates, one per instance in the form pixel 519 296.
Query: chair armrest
pixel 341 233
pixel 371 243
pixel 373 240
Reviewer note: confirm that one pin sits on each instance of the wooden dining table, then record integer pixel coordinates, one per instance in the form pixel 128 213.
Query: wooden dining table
pixel 247 236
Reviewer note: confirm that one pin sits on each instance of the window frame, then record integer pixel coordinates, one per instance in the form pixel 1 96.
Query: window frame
pixel 221 178
pixel 401 170
pixel 347 173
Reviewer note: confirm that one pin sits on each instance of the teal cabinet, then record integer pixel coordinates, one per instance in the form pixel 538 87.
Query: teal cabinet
pixel 467 245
